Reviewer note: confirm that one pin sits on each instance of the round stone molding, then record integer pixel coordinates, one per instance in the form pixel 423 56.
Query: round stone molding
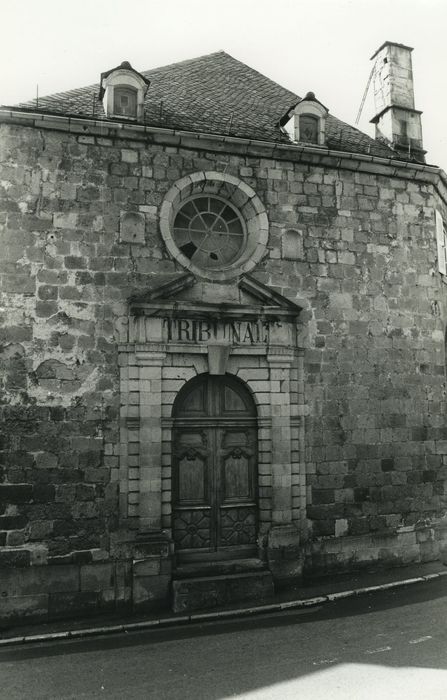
pixel 238 194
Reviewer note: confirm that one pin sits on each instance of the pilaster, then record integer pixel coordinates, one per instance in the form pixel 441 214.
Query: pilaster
pixel 279 369
pixel 283 549
pixel 150 363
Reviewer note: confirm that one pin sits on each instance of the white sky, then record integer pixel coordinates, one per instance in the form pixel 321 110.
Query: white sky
pixel 318 45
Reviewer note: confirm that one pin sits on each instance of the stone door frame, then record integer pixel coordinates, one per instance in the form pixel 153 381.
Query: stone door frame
pixel 153 368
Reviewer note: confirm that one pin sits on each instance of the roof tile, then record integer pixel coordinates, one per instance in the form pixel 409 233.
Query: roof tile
pixel 214 94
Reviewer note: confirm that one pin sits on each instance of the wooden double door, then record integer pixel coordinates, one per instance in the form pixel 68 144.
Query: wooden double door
pixel 215 511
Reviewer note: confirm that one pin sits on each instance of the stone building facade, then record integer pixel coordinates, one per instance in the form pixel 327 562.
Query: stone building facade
pixel 222 347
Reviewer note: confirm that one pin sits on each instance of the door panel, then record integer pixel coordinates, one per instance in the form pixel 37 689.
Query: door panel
pixel 195 402
pixel 192 489
pixel 192 457
pixel 238 526
pixel 238 512
pixel 236 456
pixel 191 480
pixel 192 529
pixel 233 402
pixel 236 481
pixel 214 469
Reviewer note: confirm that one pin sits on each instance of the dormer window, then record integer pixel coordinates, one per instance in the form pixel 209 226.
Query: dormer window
pixel 123 91
pixel 306 122
pixel 309 128
pixel 125 101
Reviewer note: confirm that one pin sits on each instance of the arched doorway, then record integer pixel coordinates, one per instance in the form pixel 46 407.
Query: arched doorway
pixel 215 506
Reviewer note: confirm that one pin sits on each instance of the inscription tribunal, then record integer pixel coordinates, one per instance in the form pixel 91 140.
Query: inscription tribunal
pixel 234 332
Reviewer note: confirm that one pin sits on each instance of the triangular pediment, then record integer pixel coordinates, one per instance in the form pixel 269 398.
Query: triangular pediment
pixel 246 296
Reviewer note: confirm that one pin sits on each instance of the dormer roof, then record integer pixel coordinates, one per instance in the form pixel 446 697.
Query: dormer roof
pixel 125 65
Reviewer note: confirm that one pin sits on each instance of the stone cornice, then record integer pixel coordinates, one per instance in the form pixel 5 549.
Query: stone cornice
pixel 312 155
pixel 186 309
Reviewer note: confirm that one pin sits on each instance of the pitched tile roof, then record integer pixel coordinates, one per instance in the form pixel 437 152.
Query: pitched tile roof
pixel 213 94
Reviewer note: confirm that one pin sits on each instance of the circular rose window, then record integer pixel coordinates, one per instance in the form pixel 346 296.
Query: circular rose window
pixel 209 231
pixel 214 225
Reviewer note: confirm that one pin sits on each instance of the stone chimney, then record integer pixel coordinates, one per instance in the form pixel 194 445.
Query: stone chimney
pixel 397 122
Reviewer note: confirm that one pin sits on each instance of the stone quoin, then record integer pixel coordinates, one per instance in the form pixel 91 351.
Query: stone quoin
pixel 222 351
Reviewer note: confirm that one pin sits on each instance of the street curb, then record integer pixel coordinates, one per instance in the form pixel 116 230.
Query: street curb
pixel 210 616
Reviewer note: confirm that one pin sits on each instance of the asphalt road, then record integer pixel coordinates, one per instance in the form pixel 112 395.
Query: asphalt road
pixel 383 646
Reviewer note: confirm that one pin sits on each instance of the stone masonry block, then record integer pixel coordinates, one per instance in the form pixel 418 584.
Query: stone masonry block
pixel 129 156
pixel 148 567
pixel 66 605
pixel 61 579
pixel 63 220
pixel 15 493
pixel 292 245
pixel 14 557
pixel 151 591
pixel 97 577
pixel 20 607
pixel 209 592
pixel 132 227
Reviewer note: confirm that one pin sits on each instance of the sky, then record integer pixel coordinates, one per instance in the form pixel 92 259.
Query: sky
pixel 319 45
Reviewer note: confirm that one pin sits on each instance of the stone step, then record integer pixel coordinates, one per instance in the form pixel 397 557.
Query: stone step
pixel 206 592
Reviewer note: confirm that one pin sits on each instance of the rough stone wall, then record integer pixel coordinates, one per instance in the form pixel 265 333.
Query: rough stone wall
pixel 357 250
pixel 376 430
